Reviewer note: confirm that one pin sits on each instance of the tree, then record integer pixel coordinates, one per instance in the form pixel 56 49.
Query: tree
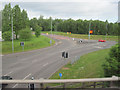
pixel 24 18
pixel 6 18
pixel 37 31
pixel 25 34
pixel 17 20
pixel 33 23
pixel 112 65
pixel 0 20
pixel 7 35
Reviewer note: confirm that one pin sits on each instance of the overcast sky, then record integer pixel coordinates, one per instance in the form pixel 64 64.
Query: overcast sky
pixel 64 9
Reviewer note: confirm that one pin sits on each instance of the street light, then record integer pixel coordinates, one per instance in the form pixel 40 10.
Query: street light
pixel 12 33
pixel 106 30
pixel 119 20
pixel 51 25
pixel 89 29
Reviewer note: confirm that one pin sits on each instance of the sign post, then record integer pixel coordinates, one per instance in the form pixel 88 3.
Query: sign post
pixel 50 41
pixel 22 44
pixel 60 74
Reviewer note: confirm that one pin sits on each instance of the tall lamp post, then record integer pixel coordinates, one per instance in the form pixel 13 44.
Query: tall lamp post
pixel 119 20
pixel 89 29
pixel 12 33
pixel 106 31
pixel 51 25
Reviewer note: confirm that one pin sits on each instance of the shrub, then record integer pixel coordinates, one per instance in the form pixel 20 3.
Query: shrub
pixel 25 34
pixel 7 36
pixel 112 64
pixel 38 31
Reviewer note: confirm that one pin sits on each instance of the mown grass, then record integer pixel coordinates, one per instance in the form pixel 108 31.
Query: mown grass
pixel 88 66
pixel 83 36
pixel 34 43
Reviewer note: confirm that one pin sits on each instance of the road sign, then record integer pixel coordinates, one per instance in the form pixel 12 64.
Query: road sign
pixel 50 41
pixel 63 54
pixel 91 31
pixel 22 43
pixel 60 74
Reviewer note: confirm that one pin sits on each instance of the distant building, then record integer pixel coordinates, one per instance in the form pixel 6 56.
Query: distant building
pixel 119 11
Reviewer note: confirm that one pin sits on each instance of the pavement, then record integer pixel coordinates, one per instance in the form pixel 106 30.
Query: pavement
pixel 42 63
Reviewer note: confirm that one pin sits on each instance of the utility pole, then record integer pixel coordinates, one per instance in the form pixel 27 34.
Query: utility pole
pixel 119 20
pixel 89 29
pixel 106 31
pixel 51 25
pixel 12 33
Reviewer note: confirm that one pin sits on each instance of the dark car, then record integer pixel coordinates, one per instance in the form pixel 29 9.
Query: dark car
pixel 5 78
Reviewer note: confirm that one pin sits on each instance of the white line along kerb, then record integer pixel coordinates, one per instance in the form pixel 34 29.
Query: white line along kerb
pixel 8 73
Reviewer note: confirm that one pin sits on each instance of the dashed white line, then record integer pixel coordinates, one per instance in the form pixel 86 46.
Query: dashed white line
pixel 45 64
pixel 14 85
pixel 23 79
pixel 8 73
pixel 27 76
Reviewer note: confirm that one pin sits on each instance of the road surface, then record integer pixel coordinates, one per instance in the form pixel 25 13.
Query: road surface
pixel 44 62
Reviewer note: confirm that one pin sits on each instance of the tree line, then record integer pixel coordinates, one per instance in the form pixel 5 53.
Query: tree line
pixel 21 21
pixel 76 26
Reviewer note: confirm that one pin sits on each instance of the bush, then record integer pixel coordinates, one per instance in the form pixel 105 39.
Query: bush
pixel 25 34
pixel 38 31
pixel 112 65
pixel 7 36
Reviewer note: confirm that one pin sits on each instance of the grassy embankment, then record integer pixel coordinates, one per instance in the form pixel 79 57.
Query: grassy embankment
pixel 34 43
pixel 83 36
pixel 88 66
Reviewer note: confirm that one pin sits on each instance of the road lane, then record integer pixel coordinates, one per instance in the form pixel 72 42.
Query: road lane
pixel 43 63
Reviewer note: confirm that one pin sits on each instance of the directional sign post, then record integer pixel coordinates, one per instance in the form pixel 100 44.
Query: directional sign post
pixel 50 41
pixel 22 44
pixel 60 74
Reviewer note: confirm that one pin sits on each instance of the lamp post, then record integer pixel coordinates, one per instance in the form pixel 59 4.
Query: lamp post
pixel 12 33
pixel 89 29
pixel 106 31
pixel 51 25
pixel 119 20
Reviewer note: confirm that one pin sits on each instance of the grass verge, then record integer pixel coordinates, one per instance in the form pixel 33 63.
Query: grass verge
pixel 88 66
pixel 83 36
pixel 34 43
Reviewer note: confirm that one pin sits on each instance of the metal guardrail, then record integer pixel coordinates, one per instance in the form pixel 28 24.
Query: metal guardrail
pixel 64 81
pixel 114 78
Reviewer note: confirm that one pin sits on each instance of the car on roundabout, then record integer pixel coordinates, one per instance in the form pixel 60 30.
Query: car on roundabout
pixel 101 40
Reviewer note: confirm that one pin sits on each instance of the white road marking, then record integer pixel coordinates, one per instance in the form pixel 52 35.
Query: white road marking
pixel 98 47
pixel 1 55
pixel 14 85
pixel 27 76
pixel 23 79
pixel 45 64
pixel 8 73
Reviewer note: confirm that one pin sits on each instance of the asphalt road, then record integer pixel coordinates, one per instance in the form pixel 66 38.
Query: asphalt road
pixel 44 62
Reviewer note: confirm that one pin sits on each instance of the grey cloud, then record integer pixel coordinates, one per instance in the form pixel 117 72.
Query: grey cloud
pixel 88 10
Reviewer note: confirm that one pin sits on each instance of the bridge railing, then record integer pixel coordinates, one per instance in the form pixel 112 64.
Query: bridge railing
pixel 112 80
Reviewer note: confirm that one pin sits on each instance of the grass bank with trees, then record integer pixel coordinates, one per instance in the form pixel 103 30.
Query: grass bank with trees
pixel 34 43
